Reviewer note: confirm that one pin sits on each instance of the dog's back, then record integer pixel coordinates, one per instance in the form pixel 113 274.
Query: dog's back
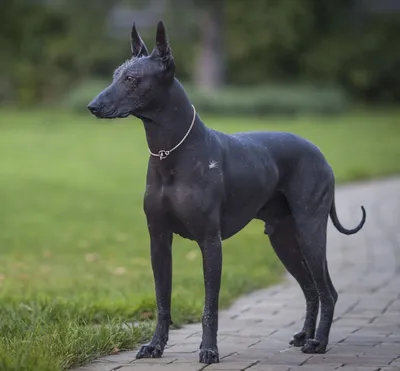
pixel 276 153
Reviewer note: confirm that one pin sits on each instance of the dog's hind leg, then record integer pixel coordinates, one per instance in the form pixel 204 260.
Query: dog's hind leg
pixel 311 217
pixel 331 287
pixel 312 236
pixel 280 227
pixel 286 246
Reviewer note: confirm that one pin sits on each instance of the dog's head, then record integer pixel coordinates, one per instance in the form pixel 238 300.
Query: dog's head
pixel 141 83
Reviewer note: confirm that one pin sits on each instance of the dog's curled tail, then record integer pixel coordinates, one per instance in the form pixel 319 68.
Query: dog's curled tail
pixel 339 226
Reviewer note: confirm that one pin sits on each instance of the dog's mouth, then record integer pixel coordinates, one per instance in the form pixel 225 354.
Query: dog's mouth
pixel 123 115
pixel 111 114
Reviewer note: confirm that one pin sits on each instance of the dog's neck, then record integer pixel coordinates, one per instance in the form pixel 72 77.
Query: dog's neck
pixel 168 126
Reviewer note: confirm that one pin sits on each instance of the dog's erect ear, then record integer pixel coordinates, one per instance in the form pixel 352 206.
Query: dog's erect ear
pixel 162 44
pixel 162 49
pixel 137 45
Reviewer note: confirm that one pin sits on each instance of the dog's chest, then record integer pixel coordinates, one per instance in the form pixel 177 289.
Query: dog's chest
pixel 171 204
pixel 181 203
pixel 179 227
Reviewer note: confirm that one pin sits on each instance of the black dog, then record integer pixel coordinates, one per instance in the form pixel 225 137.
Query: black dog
pixel 206 186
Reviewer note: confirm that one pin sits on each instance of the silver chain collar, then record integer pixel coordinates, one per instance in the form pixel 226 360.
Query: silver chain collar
pixel 163 154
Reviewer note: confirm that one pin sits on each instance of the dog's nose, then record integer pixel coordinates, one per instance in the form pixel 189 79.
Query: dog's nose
pixel 94 108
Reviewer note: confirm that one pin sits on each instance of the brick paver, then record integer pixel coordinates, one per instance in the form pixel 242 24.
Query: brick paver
pixel 255 331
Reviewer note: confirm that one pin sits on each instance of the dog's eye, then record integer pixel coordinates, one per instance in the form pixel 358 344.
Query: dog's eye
pixel 129 78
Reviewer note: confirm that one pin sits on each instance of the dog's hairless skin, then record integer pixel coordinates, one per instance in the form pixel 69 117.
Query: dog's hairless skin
pixel 214 184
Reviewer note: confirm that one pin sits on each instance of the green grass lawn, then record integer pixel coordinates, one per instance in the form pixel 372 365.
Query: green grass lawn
pixel 73 239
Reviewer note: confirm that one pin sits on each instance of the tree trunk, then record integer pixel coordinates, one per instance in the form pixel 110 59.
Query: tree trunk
pixel 209 67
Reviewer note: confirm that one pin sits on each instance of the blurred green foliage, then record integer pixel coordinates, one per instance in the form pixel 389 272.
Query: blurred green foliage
pixel 48 46
pixel 330 41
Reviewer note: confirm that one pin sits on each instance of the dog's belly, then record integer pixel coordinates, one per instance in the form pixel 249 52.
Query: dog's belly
pixel 237 215
pixel 232 225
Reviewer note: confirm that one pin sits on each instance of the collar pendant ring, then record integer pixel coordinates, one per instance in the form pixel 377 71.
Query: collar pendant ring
pixel 163 154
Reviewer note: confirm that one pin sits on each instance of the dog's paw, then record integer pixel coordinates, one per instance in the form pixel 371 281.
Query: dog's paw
pixel 209 355
pixel 299 339
pixel 314 346
pixel 150 351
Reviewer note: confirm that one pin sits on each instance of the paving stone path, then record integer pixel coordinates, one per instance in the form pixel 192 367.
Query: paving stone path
pixel 255 331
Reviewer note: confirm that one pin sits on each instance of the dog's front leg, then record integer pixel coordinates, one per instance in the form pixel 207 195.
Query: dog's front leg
pixel 212 265
pixel 161 260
